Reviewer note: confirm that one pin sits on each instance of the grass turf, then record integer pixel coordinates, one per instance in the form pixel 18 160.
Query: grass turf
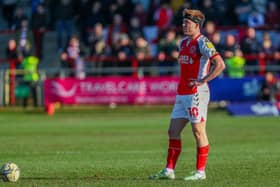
pixel 98 146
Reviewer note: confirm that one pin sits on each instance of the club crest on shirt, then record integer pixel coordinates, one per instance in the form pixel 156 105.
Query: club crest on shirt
pixel 209 45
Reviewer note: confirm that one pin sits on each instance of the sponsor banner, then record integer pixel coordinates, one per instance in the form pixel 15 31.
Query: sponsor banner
pixel 148 90
pixel 228 89
pixel 105 90
pixel 254 109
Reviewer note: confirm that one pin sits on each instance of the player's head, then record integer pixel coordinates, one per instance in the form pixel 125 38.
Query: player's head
pixel 192 21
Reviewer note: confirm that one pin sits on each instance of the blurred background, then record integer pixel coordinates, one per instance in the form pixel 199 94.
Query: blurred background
pixel 52 47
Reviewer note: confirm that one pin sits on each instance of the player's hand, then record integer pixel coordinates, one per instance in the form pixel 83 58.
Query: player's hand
pixel 195 82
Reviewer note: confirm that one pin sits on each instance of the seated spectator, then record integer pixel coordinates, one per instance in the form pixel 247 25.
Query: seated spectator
pixel 115 29
pixel 142 50
pixel 168 48
pixel 251 46
pixel 135 29
pixel 235 65
pixel 97 45
pixel 209 29
pixel 268 51
pixel 124 51
pixel 96 41
pixel 229 47
pixel 72 58
pixel 269 88
pixel 216 40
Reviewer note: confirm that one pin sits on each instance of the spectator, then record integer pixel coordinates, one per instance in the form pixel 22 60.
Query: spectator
pixel 167 48
pixel 8 8
pixel 65 14
pixel 124 8
pixel 268 51
pixel 25 41
pixel 140 13
pixel 123 51
pixel 209 29
pixel 97 44
pixel 209 10
pixel 242 11
pixel 269 88
pixel 34 5
pixel 84 9
pixel 216 40
pixel 142 50
pixel 163 16
pixel 272 14
pixel 115 29
pixel 13 58
pixel 224 12
pixel 39 24
pixel 73 57
pixel 95 15
pixel 229 47
pixel 97 41
pixel 251 46
pixel 12 54
pixel 18 18
pixel 135 29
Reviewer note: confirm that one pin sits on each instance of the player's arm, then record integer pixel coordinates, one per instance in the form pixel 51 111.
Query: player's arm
pixel 209 51
pixel 218 67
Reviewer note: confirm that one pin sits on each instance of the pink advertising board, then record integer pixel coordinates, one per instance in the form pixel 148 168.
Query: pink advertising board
pixel 106 90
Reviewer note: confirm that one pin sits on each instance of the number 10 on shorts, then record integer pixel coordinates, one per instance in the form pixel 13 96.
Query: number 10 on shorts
pixel 193 112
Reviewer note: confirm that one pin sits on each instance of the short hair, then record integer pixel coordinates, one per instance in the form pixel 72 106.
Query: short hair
pixel 195 15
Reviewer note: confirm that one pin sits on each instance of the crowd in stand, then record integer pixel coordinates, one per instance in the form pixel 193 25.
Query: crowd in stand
pixel 239 29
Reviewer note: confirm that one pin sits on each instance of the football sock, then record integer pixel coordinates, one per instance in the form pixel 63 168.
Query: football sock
pixel 174 151
pixel 202 155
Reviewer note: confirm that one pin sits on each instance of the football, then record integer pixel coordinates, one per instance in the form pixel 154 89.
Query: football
pixel 10 172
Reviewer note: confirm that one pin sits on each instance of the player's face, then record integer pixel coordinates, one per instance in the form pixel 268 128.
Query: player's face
pixel 189 27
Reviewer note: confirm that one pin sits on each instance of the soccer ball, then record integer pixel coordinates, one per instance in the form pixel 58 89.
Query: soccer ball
pixel 10 172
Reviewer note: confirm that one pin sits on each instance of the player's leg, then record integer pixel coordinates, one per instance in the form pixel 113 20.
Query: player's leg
pixel 177 124
pixel 202 143
pixel 174 149
pixel 175 143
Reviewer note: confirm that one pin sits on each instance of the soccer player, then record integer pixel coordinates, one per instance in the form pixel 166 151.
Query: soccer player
pixel 196 53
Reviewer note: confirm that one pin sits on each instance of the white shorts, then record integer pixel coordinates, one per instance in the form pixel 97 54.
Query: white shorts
pixel 192 107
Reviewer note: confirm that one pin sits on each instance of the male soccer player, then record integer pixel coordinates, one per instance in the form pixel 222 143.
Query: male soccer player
pixel 196 53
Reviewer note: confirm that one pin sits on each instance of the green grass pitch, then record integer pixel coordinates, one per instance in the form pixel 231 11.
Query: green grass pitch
pixel 98 146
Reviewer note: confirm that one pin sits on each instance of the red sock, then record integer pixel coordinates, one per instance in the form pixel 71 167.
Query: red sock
pixel 201 158
pixel 174 151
